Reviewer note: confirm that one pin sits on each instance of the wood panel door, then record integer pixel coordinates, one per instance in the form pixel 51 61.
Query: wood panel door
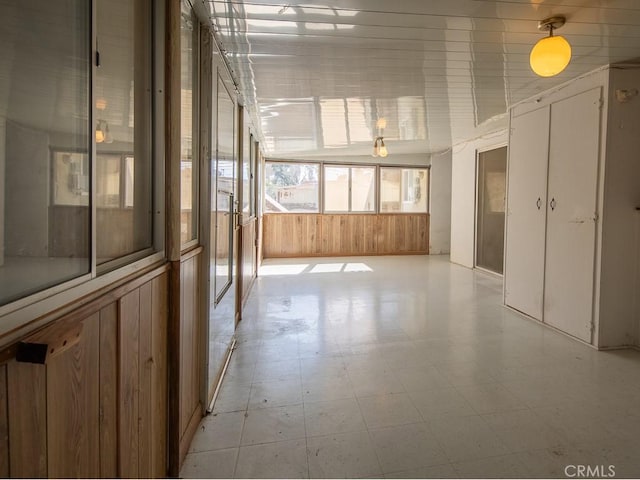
pixel 526 212
pixel 574 146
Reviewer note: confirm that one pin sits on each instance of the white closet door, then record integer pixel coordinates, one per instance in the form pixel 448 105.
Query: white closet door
pixel 526 212
pixel 571 213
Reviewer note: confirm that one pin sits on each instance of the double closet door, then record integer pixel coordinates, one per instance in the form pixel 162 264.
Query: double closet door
pixel 551 213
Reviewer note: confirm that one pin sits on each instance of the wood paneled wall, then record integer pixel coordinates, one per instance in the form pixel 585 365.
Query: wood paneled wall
pixel 190 359
pixel 98 409
pixel 308 235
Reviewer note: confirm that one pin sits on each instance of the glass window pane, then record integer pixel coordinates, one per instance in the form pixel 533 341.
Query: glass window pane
pixel 363 189
pixel 336 189
pixel 44 145
pixel 492 180
pixel 245 167
pixel 123 90
pixel 404 190
pixel 188 165
pixel 390 190
pixel 291 187
pixel 108 181
pixel 252 177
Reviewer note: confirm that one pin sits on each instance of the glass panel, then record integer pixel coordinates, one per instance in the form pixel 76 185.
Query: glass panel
pixel 44 145
pixel 108 181
pixel 223 206
pixel 123 90
pixel 336 189
pixel 492 169
pixel 403 190
pixel 363 189
pixel 252 177
pixel 291 187
pixel 245 170
pixel 188 165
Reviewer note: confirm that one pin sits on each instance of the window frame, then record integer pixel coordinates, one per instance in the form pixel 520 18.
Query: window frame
pixel 195 134
pixel 30 312
pixel 294 162
pixel 402 201
pixel 351 166
pixel 321 177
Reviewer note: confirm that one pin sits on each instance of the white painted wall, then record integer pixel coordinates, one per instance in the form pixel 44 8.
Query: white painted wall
pixel 618 272
pixel 463 194
pixel 440 204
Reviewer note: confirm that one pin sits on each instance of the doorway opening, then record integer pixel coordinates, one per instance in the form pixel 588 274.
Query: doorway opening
pixel 490 212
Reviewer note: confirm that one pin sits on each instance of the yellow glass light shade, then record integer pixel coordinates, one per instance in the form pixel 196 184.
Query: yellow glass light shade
pixel 550 56
pixel 99 136
pixel 383 150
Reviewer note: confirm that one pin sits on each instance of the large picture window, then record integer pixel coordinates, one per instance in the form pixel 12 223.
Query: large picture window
pixel 404 190
pixel 123 89
pixel 349 189
pixel 53 191
pixel 291 187
pixel 44 145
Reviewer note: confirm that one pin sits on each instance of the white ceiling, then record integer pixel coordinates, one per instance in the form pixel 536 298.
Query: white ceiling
pixel 439 71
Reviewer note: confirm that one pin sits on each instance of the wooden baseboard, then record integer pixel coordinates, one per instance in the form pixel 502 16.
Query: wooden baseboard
pixel 192 426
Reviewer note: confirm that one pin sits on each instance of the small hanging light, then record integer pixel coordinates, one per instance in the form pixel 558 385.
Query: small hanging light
pixel 376 148
pixel 383 150
pixel 550 55
pixel 100 134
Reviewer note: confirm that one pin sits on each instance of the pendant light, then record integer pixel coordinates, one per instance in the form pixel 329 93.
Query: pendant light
pixel 383 150
pixel 379 148
pixel 551 54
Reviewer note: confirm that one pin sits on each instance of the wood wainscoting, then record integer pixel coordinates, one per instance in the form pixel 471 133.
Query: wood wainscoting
pixel 189 354
pixel 308 235
pixel 97 408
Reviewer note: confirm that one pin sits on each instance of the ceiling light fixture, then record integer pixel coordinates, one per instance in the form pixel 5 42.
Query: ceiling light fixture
pixel 379 148
pixel 551 54
pixel 102 132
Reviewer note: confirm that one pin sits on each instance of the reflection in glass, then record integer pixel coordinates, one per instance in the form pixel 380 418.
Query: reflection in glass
pixel 349 189
pixel 123 90
pixel 291 187
pixel 336 189
pixel 403 190
pixel 492 169
pixel 188 166
pixel 223 205
pixel 363 191
pixel 44 145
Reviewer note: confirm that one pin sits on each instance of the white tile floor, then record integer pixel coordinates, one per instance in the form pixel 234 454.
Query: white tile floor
pixel 409 367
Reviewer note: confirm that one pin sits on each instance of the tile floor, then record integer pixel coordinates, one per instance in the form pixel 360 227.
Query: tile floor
pixel 409 367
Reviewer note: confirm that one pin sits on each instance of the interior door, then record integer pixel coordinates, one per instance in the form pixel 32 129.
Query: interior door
pixel 491 188
pixel 223 212
pixel 571 213
pixel 526 212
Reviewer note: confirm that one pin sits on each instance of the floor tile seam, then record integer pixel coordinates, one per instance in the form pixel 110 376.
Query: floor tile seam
pixel 367 429
pixel 304 420
pixel 292 439
pixel 244 421
pixel 523 405
pixel 514 454
pixel 418 468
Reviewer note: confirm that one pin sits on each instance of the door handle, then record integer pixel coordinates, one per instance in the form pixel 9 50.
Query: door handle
pixel 539 203
pixel 552 204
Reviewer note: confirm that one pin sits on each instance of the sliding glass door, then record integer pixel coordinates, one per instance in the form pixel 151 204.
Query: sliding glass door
pixel 491 188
